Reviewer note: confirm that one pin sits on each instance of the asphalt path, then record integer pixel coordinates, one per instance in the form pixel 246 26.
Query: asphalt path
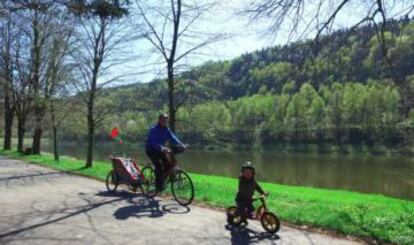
pixel 43 206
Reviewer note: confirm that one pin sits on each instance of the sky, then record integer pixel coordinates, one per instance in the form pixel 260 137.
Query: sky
pixel 243 37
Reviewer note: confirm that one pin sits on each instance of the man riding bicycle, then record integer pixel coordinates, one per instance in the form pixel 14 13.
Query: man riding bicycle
pixel 158 135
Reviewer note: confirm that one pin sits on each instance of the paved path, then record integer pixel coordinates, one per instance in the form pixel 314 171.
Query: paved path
pixel 43 206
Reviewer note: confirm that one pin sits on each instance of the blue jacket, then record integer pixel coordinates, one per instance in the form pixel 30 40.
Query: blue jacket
pixel 157 137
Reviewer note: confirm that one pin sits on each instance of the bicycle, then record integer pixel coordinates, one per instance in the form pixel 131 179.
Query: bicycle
pixel 125 171
pixel 270 222
pixel 182 187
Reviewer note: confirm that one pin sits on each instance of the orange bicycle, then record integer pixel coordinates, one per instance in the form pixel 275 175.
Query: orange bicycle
pixel 270 222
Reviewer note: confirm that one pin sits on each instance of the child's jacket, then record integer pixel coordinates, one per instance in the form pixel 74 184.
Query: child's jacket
pixel 247 188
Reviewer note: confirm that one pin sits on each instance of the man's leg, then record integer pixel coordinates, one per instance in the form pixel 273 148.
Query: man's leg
pixel 157 162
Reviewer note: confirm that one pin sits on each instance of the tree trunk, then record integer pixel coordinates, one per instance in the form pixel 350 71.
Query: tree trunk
pixel 171 102
pixel 20 134
pixel 36 49
pixel 407 102
pixel 36 141
pixel 36 144
pixel 55 144
pixel 8 122
pixel 55 132
pixel 91 131
pixel 91 127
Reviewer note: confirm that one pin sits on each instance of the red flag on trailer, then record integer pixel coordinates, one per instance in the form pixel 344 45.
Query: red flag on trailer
pixel 114 133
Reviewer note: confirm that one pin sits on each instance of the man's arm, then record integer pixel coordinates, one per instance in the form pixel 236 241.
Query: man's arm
pixel 174 138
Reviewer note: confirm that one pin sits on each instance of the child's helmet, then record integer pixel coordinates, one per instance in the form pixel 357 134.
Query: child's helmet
pixel 247 165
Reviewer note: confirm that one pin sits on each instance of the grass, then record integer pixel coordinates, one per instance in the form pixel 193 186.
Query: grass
pixel 351 213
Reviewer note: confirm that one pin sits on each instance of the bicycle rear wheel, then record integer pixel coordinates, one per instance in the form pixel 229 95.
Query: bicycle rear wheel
pixel 111 181
pixel 270 222
pixel 148 185
pixel 182 188
pixel 232 217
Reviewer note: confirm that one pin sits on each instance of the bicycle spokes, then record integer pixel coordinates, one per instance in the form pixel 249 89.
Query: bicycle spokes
pixel 270 222
pixel 149 182
pixel 182 188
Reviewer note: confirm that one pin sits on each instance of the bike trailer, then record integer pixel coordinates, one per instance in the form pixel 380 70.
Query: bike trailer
pixel 126 170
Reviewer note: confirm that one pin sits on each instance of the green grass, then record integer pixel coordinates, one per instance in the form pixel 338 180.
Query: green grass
pixel 375 216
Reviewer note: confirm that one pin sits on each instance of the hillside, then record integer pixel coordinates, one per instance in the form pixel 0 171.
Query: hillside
pixel 339 90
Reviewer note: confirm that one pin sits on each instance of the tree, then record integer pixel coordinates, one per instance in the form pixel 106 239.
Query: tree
pixel 56 89
pixel 336 109
pixel 274 75
pixel 324 13
pixel 169 26
pixel 396 62
pixel 22 89
pixel 7 40
pixel 37 21
pixel 17 66
pixel 101 31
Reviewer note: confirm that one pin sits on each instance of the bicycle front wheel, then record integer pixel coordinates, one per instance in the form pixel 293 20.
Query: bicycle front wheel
pixel 270 222
pixel 182 188
pixel 148 185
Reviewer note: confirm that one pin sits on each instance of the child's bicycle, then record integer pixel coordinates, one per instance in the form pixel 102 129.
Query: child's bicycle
pixel 182 187
pixel 270 221
pixel 125 171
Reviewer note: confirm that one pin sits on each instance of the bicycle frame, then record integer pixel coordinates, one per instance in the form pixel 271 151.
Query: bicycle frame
pixel 170 166
pixel 261 209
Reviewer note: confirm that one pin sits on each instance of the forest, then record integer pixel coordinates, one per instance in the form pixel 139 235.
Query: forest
pixel 337 91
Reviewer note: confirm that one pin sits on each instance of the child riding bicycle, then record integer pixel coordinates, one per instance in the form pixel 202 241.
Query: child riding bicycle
pixel 247 187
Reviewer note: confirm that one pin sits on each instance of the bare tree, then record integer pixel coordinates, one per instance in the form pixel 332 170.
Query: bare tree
pixel 22 88
pixel 100 37
pixel 320 16
pixel 35 19
pixel 59 74
pixel 16 66
pixel 171 30
pixel 6 41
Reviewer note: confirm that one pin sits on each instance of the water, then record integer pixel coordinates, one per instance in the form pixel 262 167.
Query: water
pixel 390 176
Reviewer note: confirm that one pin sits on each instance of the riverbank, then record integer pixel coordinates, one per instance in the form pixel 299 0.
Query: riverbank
pixel 350 213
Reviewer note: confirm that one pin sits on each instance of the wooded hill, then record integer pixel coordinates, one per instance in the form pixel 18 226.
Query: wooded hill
pixel 341 89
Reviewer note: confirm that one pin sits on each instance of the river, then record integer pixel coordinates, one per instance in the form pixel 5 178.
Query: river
pixel 387 175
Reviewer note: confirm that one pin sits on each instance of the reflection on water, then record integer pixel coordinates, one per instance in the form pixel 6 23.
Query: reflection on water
pixel 392 176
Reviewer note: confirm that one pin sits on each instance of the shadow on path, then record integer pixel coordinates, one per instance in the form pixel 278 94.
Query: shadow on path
pixel 243 235
pixel 91 204
pixel 149 208
pixel 30 176
pixel 144 208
